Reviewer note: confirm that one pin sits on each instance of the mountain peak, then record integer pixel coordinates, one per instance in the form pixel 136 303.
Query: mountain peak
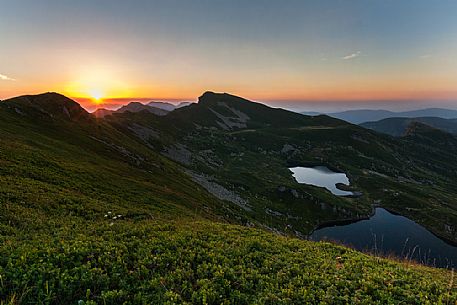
pixel 162 105
pixel 137 107
pixel 418 127
pixel 423 133
pixel 49 104
pixel 102 112
pixel 211 98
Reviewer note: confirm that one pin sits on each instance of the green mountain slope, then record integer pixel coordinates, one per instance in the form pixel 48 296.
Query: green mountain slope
pixel 157 262
pixel 247 147
pixel 57 164
pixel 98 211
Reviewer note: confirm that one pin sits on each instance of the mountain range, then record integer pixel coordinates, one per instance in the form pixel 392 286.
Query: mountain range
pixel 198 205
pixel 367 115
pixel 158 108
pixel 240 149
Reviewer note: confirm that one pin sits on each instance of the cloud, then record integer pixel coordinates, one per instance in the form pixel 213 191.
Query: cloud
pixel 351 56
pixel 4 77
pixel 425 56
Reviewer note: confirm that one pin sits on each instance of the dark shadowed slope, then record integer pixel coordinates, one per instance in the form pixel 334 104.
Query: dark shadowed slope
pixel 398 126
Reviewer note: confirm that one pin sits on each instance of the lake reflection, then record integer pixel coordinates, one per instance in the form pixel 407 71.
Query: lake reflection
pixel 387 233
pixel 321 176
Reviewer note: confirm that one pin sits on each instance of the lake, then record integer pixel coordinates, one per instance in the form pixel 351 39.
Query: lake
pixel 321 176
pixel 386 233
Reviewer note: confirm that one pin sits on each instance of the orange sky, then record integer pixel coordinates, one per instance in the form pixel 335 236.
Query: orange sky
pixel 266 51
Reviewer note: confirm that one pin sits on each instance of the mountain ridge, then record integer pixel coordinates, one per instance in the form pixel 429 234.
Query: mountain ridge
pixel 48 104
pixel 398 126
pixel 359 116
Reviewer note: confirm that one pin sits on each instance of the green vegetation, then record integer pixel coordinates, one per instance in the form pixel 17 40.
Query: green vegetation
pixel 246 147
pixel 157 262
pixel 65 177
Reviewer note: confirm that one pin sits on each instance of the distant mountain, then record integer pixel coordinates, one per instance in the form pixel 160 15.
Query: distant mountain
pixel 131 107
pixel 399 126
pixel 184 104
pixel 158 108
pixel 168 106
pixel 364 115
pixel 137 107
pixel 430 112
pixel 102 112
pixel 162 105
pixel 368 115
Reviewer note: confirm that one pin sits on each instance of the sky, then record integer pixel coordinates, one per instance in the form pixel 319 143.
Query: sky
pixel 299 54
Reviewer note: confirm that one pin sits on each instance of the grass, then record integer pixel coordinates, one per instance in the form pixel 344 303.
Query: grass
pixel 152 262
pixel 174 243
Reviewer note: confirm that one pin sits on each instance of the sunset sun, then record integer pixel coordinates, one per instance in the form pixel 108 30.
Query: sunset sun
pixel 96 95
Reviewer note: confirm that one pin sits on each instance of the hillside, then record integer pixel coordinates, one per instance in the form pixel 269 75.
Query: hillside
pixel 398 126
pixel 140 208
pixel 229 143
pixel 179 262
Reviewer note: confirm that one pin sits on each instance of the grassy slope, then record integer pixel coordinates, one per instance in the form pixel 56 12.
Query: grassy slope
pixel 57 247
pixel 152 262
pixel 399 174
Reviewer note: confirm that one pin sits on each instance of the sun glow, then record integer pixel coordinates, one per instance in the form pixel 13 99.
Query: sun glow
pixel 97 84
pixel 96 95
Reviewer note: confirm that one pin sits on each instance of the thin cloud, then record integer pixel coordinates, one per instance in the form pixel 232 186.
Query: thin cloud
pixel 425 56
pixel 351 56
pixel 4 77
